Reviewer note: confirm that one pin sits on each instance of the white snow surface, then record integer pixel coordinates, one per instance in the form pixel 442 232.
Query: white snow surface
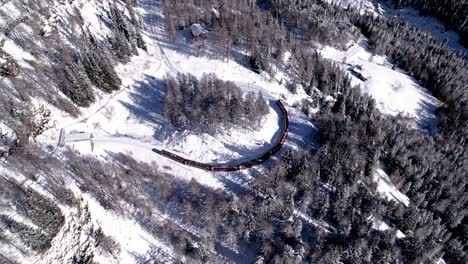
pixel 380 225
pixel 386 188
pixel 410 15
pixel 362 6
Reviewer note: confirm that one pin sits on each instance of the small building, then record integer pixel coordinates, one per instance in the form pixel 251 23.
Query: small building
pixel 360 72
pixel 198 30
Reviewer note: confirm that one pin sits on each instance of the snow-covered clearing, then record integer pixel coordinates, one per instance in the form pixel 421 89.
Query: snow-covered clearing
pixel 387 189
pixel 394 90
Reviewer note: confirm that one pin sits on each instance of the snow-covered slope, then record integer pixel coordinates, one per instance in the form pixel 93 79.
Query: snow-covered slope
pixel 425 23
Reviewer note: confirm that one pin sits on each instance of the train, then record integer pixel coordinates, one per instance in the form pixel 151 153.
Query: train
pixel 244 165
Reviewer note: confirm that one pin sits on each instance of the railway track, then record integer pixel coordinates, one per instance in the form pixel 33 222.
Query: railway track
pixel 241 166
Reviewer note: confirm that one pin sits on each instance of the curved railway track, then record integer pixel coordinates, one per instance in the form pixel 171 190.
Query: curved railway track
pixel 243 165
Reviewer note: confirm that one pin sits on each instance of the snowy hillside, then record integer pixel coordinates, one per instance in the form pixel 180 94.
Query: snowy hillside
pixel 426 23
pixel 95 92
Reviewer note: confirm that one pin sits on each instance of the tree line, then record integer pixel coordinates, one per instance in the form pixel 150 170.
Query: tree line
pixel 93 64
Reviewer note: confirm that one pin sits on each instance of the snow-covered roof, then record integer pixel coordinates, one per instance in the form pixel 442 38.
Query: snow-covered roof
pixel 197 29
pixel 360 70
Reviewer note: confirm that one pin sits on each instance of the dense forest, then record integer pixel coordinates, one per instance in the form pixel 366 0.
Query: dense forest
pixel 210 105
pixel 454 13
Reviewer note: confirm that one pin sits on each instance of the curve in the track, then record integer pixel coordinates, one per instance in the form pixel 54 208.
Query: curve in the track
pixel 241 166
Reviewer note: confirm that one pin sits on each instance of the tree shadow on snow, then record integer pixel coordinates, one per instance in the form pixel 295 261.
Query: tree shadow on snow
pixel 148 99
pixel 302 133
pixel 248 154
pixel 240 181
pixel 426 116
pixel 302 136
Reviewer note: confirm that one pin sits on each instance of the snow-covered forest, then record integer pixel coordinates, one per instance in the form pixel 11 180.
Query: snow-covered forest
pixel 210 104
pixel 364 161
